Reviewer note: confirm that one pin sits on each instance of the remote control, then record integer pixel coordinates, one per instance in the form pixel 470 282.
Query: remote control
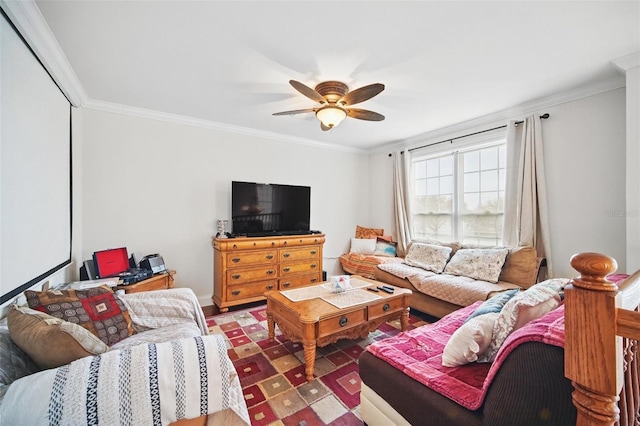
pixel 373 289
pixel 386 289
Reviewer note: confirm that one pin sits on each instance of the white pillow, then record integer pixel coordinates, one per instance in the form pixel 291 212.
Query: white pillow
pixel 470 341
pixel 428 256
pixel 363 245
pixel 479 264
pixel 525 306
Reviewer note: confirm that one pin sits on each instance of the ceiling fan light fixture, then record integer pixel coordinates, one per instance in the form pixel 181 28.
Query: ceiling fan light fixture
pixel 331 115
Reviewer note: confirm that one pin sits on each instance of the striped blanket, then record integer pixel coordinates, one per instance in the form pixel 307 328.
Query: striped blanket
pixel 150 384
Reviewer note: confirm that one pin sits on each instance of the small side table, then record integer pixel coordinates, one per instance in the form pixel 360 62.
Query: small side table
pixel 157 282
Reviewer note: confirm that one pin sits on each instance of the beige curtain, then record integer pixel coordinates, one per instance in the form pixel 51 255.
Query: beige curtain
pixel 526 220
pixel 401 200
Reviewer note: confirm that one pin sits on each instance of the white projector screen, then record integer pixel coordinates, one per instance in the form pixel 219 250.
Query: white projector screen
pixel 35 169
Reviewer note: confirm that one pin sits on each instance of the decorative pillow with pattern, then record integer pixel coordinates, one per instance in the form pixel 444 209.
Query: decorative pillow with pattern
pixel 385 248
pixel 525 306
pixel 362 232
pixel 493 304
pixel 428 256
pixel 479 264
pixel 96 309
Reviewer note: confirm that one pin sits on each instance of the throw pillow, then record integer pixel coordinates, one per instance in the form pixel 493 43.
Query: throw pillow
pixel 493 304
pixel 49 341
pixel 362 245
pixel 428 256
pixel 479 264
pixel 521 266
pixel 469 341
pixel 385 248
pixel 525 306
pixel 362 232
pixel 96 309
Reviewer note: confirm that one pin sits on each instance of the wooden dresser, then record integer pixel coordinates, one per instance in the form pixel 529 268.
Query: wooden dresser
pixel 245 268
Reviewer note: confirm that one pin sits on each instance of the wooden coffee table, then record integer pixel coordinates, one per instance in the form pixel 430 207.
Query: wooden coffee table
pixel 316 322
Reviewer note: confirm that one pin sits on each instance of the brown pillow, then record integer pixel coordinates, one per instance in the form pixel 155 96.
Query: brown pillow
pixel 521 266
pixel 362 232
pixel 50 342
pixel 96 309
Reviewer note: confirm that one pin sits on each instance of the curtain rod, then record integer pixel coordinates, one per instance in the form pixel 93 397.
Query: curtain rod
pixel 543 116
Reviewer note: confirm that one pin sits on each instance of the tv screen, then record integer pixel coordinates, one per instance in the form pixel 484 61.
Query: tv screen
pixel 259 209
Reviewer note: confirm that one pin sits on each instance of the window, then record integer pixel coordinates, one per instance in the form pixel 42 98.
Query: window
pixel 459 195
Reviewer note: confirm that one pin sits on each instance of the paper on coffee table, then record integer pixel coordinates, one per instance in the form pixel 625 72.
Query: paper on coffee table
pixel 322 290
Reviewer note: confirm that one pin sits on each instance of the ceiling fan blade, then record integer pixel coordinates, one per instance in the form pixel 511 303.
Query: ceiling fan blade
pixel 323 127
pixel 308 91
pixel 363 114
pixel 362 94
pixel 297 111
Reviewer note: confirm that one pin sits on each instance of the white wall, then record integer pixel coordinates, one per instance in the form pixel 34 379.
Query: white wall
pixel 584 147
pixel 158 187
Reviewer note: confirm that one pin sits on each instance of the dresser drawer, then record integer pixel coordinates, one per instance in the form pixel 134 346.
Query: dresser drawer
pixel 298 281
pixel 249 258
pixel 239 292
pixel 235 276
pixel 293 254
pixel 297 268
pixel 302 241
pixel 342 322
pixel 385 307
pixel 248 244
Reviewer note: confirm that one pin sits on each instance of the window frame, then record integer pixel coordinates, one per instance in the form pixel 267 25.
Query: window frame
pixel 456 147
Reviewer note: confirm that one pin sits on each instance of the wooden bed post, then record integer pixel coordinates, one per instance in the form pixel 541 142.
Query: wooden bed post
pixel 592 349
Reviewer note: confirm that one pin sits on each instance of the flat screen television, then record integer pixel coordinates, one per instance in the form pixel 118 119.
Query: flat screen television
pixel 262 209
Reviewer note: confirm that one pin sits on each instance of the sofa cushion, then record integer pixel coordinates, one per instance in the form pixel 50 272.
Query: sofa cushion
pixel 469 341
pixel 49 341
pixel 362 232
pixel 96 309
pixel 521 266
pixel 362 245
pixel 479 264
pixel 522 308
pixel 15 363
pixel 493 304
pixel 430 257
pixel 385 248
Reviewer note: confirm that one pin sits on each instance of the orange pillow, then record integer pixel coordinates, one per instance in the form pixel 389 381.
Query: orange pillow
pixel 362 232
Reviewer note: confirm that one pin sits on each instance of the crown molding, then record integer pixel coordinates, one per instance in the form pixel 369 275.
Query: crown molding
pixel 27 18
pixel 502 117
pixel 207 124
pixel 627 62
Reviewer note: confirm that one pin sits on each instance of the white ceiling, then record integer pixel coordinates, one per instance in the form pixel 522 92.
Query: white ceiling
pixel 229 62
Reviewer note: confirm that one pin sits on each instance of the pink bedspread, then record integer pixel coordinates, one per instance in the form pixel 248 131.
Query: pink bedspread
pixel 418 353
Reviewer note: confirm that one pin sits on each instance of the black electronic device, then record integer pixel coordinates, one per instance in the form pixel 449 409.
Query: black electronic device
pixel 263 209
pixel 135 275
pixel 153 262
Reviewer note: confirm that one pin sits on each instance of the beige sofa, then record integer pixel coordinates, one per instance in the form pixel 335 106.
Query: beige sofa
pixel 439 294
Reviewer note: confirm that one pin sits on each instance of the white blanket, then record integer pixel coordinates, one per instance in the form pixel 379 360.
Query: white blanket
pixel 183 378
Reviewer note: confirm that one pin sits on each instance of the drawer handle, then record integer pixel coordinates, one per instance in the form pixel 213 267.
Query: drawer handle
pixel 313 265
pixel 235 260
pixel 313 252
pixel 270 287
pixel 284 243
pixel 386 307
pixel 286 255
pixel 343 321
pixel 269 256
pixel 235 292
pixel 285 285
pixel 313 280
pixel 273 243
pixel 287 269
pixel 270 272
pixel 235 246
pixel 235 276
pixel 254 244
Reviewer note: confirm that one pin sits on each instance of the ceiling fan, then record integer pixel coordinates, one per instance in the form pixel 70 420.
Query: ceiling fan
pixel 336 100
